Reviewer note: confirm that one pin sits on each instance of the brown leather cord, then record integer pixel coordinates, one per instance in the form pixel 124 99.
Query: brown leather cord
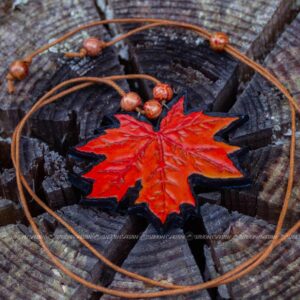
pixel 56 97
pixel 14 137
pixel 230 276
pixel 81 54
pixel 201 31
pixel 45 101
pixel 231 50
pixel 49 102
pixel 28 59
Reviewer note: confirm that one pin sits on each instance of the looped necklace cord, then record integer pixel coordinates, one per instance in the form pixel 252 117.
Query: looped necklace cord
pixel 47 101
pixel 218 42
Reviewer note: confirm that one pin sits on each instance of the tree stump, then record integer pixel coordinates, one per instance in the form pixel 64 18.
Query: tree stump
pixel 244 236
pixel 265 30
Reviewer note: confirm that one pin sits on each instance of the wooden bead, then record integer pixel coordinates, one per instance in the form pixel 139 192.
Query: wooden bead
pixel 130 101
pixel 163 92
pixel 152 109
pixel 218 41
pixel 93 46
pixel 19 69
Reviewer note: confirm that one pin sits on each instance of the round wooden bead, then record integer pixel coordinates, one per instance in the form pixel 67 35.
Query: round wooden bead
pixel 93 46
pixel 218 41
pixel 130 101
pixel 152 109
pixel 19 69
pixel 163 92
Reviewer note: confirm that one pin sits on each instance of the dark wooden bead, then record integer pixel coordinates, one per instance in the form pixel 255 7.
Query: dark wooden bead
pixel 19 69
pixel 218 41
pixel 93 46
pixel 152 109
pixel 130 101
pixel 163 92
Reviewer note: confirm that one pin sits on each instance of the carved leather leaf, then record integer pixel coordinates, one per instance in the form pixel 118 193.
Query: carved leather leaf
pixel 163 160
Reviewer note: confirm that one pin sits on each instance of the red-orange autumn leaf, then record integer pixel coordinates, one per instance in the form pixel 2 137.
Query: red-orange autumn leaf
pixel 162 160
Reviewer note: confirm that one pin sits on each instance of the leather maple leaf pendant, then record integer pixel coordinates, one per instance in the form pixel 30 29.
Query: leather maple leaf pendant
pixel 162 158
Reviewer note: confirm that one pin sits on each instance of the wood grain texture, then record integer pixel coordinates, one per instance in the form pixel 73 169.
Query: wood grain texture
pixel 210 79
pixel 269 127
pixel 59 126
pixel 48 19
pixel 26 273
pixel 268 170
pixel 250 25
pixel 238 237
pixel 165 258
pixel 9 212
pixel 268 109
pixel 108 233
pixel 78 115
pixel 45 170
pixel 185 61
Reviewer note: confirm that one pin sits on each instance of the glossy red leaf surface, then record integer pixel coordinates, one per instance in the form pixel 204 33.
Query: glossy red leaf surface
pixel 162 160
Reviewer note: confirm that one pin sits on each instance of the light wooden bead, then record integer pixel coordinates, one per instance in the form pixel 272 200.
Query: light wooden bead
pixel 130 101
pixel 93 46
pixel 19 69
pixel 218 41
pixel 163 92
pixel 152 109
